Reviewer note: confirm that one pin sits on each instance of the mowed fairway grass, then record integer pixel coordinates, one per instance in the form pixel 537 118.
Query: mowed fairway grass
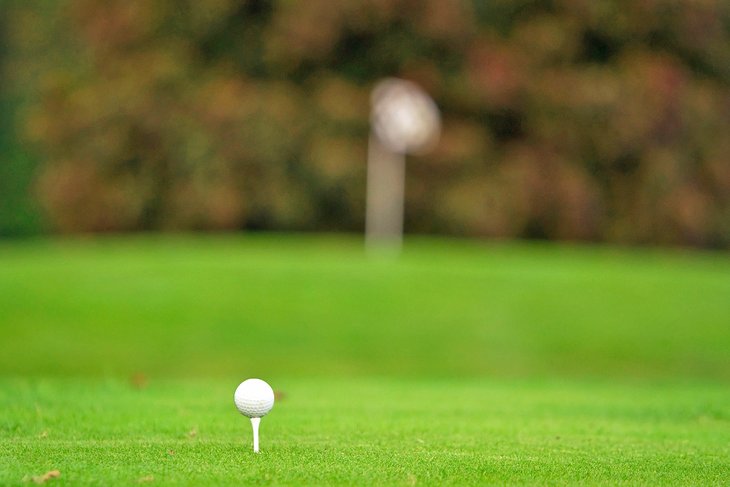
pixel 460 363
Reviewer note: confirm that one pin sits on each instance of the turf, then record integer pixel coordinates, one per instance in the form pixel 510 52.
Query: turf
pixel 460 363
pixel 384 431
pixel 318 306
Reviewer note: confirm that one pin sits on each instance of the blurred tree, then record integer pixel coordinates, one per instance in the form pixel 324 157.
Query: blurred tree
pixel 564 119
pixel 18 213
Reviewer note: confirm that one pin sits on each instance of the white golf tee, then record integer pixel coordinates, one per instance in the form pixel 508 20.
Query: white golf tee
pixel 255 426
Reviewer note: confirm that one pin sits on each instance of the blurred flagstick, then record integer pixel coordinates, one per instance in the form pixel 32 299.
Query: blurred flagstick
pixel 385 195
pixel 404 120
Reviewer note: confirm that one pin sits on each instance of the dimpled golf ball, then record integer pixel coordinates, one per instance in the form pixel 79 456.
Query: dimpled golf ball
pixel 254 398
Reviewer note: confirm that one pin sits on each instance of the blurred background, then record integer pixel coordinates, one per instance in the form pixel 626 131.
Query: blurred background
pixel 563 120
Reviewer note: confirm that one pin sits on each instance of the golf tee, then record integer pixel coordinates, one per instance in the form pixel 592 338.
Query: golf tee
pixel 255 426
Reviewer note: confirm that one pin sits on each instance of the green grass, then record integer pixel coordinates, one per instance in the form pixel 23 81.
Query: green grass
pixel 371 431
pixel 275 305
pixel 461 363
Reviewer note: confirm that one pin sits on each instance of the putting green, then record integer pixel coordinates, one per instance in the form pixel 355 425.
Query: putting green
pixel 316 306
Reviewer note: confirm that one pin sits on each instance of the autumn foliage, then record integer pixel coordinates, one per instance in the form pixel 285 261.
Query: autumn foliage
pixel 566 119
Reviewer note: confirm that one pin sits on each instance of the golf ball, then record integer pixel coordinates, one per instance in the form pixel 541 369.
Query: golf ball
pixel 254 398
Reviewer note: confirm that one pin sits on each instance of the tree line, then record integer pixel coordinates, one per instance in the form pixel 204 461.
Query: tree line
pixel 565 119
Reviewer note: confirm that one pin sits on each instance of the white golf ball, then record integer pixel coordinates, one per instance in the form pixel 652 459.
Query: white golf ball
pixel 254 398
